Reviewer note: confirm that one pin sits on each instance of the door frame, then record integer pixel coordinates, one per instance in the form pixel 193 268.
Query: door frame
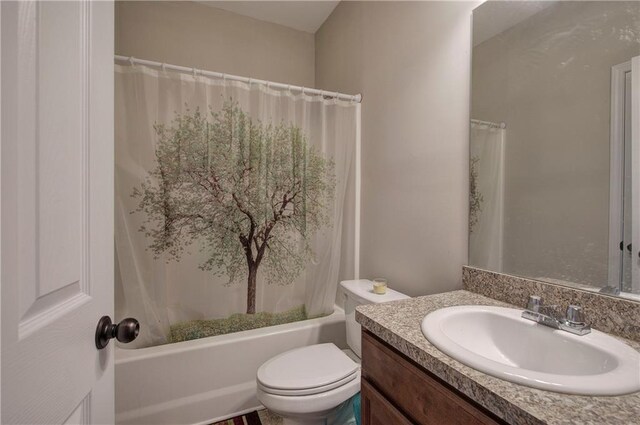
pixel 635 172
pixel 616 171
pixel 1 269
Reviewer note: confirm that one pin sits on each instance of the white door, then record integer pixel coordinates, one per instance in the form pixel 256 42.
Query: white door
pixel 56 177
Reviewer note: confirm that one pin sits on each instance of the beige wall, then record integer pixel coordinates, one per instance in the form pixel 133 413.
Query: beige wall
pixel 548 78
pixel 192 34
pixel 411 62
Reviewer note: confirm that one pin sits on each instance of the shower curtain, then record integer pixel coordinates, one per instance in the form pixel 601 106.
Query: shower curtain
pixel 229 198
pixel 486 224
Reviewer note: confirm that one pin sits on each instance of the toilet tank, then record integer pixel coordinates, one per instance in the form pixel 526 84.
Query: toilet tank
pixel 360 292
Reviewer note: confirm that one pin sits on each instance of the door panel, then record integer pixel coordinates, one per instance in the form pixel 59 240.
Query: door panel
pixel 51 157
pixel 80 415
pixel 57 208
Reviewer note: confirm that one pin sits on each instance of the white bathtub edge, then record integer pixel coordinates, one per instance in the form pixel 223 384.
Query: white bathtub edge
pixel 124 355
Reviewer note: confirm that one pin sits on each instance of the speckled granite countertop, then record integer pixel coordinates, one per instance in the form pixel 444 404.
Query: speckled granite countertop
pixel 398 323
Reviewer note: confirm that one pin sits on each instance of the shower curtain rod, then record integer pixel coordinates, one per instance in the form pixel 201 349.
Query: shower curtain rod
pixel 501 125
pixel 304 90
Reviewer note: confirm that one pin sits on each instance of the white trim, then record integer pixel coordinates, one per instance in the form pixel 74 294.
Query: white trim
pixel 356 256
pixel 1 143
pixel 635 172
pixel 616 170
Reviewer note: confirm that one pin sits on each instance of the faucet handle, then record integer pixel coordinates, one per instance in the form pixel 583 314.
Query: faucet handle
pixel 575 314
pixel 534 303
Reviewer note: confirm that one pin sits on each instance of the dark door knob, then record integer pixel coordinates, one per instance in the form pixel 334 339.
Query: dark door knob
pixel 125 331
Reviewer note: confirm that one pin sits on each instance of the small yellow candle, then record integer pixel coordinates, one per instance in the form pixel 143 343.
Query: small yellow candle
pixel 380 286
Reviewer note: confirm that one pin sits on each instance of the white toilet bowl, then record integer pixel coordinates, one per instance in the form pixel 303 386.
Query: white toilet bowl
pixel 307 385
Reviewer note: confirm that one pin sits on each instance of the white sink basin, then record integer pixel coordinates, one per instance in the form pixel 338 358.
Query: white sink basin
pixel 498 342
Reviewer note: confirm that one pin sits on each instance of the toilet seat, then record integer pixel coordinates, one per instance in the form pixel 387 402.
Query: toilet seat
pixel 309 406
pixel 309 391
pixel 314 369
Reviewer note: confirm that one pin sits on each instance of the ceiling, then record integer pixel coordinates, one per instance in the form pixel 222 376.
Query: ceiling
pixel 305 16
pixel 493 17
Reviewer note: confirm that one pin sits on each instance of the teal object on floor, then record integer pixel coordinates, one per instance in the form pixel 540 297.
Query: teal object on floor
pixel 346 414
pixel 356 408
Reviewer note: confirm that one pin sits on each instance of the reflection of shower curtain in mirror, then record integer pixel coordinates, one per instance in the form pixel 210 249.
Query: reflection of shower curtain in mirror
pixel 487 145
pixel 222 187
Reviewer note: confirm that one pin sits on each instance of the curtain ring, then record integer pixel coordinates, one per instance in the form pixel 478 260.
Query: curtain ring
pixel 289 89
pixel 131 60
pixel 194 72
pixel 250 82
pixel 164 67
pixel 303 89
pixel 335 98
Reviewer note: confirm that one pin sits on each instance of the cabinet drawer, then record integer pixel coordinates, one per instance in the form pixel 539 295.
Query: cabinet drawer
pixel 377 410
pixel 418 394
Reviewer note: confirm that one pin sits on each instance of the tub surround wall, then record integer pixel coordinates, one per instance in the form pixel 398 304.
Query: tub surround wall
pixel 398 324
pixel 614 315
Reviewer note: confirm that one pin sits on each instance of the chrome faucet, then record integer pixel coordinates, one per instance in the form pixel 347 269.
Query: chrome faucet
pixel 548 315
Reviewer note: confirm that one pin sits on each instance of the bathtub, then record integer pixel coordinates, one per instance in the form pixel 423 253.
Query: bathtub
pixel 209 379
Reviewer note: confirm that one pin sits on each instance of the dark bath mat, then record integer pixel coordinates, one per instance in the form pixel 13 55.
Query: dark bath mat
pixel 248 419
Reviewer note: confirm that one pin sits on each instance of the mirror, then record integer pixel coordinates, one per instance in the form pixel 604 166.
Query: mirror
pixel 555 143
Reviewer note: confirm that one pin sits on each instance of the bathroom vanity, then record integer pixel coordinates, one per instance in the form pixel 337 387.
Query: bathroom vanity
pixel 389 379
pixel 407 380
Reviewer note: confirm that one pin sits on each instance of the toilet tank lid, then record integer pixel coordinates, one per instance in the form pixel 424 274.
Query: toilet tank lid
pixel 363 289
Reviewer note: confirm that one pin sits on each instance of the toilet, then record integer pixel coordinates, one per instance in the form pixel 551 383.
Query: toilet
pixel 308 385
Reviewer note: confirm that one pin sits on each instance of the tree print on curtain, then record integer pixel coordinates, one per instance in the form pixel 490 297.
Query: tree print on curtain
pixel 251 194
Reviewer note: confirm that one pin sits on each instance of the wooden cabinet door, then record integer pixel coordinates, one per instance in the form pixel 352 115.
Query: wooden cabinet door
pixel 416 393
pixel 377 410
